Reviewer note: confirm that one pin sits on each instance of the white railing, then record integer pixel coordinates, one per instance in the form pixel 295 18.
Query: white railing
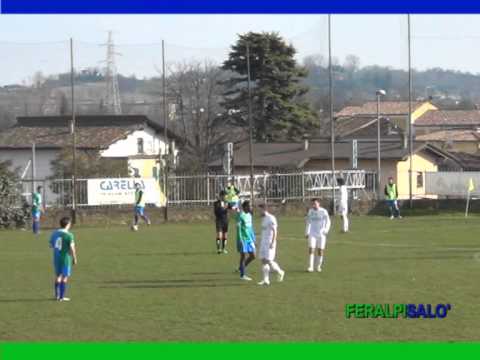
pixel 204 189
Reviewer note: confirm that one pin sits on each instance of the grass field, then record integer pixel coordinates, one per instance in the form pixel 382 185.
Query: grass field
pixel 166 283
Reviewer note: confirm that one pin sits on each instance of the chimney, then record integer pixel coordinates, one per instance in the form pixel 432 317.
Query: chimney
pixel 305 145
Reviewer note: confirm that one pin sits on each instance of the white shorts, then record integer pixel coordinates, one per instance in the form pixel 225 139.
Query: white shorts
pixel 317 242
pixel 343 209
pixel 267 253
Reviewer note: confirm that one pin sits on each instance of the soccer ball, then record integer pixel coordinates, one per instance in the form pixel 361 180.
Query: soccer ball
pixel 134 228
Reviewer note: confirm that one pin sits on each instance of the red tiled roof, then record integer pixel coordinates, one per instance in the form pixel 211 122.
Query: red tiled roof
pixel 449 117
pixel 293 155
pixel 92 131
pixel 386 108
pixel 59 137
pixel 450 135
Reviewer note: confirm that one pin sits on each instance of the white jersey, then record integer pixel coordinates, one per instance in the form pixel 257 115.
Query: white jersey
pixel 318 223
pixel 343 203
pixel 269 227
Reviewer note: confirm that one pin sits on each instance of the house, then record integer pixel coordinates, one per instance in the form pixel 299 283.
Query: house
pixel 134 138
pixel 436 120
pixel 316 156
pixel 453 140
pixel 454 130
pixel 395 111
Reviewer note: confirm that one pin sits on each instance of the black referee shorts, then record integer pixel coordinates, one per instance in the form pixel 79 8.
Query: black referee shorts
pixel 221 226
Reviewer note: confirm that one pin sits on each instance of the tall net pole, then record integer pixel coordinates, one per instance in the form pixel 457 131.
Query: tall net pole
pixel 74 139
pixel 250 125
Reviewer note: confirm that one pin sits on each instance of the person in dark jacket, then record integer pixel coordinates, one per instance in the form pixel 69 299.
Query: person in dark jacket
pixel 220 209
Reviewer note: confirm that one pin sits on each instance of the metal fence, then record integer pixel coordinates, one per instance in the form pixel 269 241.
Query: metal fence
pixel 56 193
pixel 204 189
pixel 191 190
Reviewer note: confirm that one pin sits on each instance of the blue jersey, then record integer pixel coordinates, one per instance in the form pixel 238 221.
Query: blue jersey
pixel 54 238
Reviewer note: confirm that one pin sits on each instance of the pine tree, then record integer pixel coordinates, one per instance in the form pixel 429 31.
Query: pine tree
pixel 279 108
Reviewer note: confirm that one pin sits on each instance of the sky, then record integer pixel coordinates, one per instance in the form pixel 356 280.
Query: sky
pixel 30 43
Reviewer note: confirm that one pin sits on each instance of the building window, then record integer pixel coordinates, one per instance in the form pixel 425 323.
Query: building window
pixel 419 179
pixel 140 148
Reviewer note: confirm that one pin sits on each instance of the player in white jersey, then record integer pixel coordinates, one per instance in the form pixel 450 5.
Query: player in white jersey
pixel 268 246
pixel 343 204
pixel 318 226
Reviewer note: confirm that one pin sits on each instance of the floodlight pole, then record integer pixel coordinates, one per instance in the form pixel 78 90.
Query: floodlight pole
pixel 379 159
pixel 74 140
pixel 332 125
pixel 165 135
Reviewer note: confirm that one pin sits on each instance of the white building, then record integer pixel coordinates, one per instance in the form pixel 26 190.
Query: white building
pixel 132 137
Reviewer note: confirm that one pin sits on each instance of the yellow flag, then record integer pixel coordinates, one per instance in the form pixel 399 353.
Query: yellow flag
pixel 471 187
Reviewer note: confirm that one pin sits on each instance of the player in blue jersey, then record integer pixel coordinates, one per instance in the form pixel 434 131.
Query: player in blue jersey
pixel 139 207
pixel 245 239
pixel 37 209
pixel 64 256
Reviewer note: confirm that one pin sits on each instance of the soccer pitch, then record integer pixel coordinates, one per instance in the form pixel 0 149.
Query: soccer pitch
pixel 166 283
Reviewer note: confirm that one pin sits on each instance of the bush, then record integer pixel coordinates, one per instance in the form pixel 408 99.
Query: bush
pixel 14 211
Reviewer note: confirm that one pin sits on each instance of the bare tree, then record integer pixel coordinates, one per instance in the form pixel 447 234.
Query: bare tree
pixel 196 90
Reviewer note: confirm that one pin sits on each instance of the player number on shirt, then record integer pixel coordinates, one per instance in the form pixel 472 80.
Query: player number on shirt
pixel 58 243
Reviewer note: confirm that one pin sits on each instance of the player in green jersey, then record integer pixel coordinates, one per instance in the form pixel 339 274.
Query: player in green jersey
pixel 64 256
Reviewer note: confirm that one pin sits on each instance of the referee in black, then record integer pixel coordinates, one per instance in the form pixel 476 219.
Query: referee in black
pixel 221 222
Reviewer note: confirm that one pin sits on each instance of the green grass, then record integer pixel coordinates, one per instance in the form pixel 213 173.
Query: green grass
pixel 165 283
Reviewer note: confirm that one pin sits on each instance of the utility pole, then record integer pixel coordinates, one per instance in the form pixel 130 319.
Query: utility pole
pixel 74 140
pixel 165 129
pixel 410 128
pixel 250 126
pixel 34 166
pixel 332 124
pixel 379 93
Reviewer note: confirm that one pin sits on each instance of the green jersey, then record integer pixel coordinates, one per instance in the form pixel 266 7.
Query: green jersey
pixel 245 231
pixel 139 198
pixel 36 201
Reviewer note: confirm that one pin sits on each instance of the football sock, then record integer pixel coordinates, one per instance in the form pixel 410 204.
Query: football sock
pixel 345 224
pixel 35 227
pixel 63 288
pixel 319 260
pixel 242 270
pixel 311 260
pixel 266 271
pixel 218 244
pixel 224 243
pixel 275 267
pixel 135 220
pixel 57 290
